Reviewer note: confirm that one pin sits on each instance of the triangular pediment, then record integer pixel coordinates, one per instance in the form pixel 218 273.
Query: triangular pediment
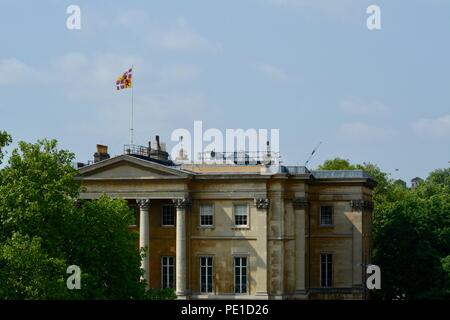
pixel 129 167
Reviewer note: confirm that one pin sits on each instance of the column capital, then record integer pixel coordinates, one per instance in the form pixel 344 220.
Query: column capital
pixel 300 203
pixel 361 205
pixel 182 203
pixel 262 203
pixel 143 203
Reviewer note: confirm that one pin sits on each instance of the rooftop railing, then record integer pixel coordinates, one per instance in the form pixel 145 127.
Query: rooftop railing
pixel 133 149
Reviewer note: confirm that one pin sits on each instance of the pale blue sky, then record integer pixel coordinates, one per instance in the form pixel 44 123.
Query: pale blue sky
pixel 310 68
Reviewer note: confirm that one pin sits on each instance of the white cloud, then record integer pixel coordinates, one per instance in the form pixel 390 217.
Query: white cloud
pixel 338 9
pixel 178 74
pixel 87 82
pixel 439 126
pixel 131 19
pixel 360 107
pixel 273 72
pixel 15 72
pixel 363 131
pixel 91 77
pixel 182 38
pixel 152 112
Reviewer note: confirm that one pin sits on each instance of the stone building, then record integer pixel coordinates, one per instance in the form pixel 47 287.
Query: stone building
pixel 415 182
pixel 242 231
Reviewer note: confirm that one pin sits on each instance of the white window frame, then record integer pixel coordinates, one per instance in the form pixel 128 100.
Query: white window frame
pixel 247 274
pixel 168 273
pixel 332 216
pixel 212 274
pixel 327 285
pixel 162 215
pixel 206 226
pixel 241 226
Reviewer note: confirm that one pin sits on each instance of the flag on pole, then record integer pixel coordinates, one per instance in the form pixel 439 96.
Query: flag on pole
pixel 124 81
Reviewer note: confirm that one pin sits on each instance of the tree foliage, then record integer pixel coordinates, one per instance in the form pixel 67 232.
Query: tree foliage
pixel 27 272
pixel 44 229
pixel 5 139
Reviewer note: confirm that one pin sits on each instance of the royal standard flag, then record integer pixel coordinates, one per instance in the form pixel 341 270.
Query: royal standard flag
pixel 124 81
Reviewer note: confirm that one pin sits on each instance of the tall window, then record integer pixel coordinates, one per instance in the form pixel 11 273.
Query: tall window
pixel 206 215
pixel 206 274
pixel 167 272
pixel 240 215
pixel 326 270
pixel 168 215
pixel 240 275
pixel 326 215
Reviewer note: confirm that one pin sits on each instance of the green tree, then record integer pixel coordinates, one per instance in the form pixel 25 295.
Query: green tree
pixel 27 272
pixel 337 164
pixel 105 250
pixel 411 233
pixel 440 177
pixel 5 139
pixel 38 201
pixel 411 237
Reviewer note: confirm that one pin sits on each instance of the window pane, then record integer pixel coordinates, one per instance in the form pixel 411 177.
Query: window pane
pixel 323 274
pixel 329 270
pixel 326 270
pixel 326 215
pixel 240 215
pixel 206 274
pixel 240 275
pixel 240 209
pixel 168 272
pixel 240 220
pixel 206 215
pixel 168 215
pixel 206 209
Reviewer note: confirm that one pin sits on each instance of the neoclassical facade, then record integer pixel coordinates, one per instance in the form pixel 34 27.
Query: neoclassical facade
pixel 243 231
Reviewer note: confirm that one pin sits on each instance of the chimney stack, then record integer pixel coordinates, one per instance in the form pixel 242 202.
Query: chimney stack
pixel 160 152
pixel 158 146
pixel 101 154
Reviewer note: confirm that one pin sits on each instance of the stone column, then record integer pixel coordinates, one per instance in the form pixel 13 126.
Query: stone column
pixel 300 207
pixel 360 248
pixel 262 204
pixel 144 205
pixel 180 261
pixel 276 245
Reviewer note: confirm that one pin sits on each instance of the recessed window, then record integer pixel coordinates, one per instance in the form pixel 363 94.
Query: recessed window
pixel 240 274
pixel 326 270
pixel 168 215
pixel 326 215
pixel 167 272
pixel 241 215
pixel 206 274
pixel 134 218
pixel 206 215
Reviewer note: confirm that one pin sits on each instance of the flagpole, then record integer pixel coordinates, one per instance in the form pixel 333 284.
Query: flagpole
pixel 132 108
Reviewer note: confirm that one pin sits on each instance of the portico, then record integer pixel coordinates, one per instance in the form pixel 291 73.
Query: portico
pixel 181 205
